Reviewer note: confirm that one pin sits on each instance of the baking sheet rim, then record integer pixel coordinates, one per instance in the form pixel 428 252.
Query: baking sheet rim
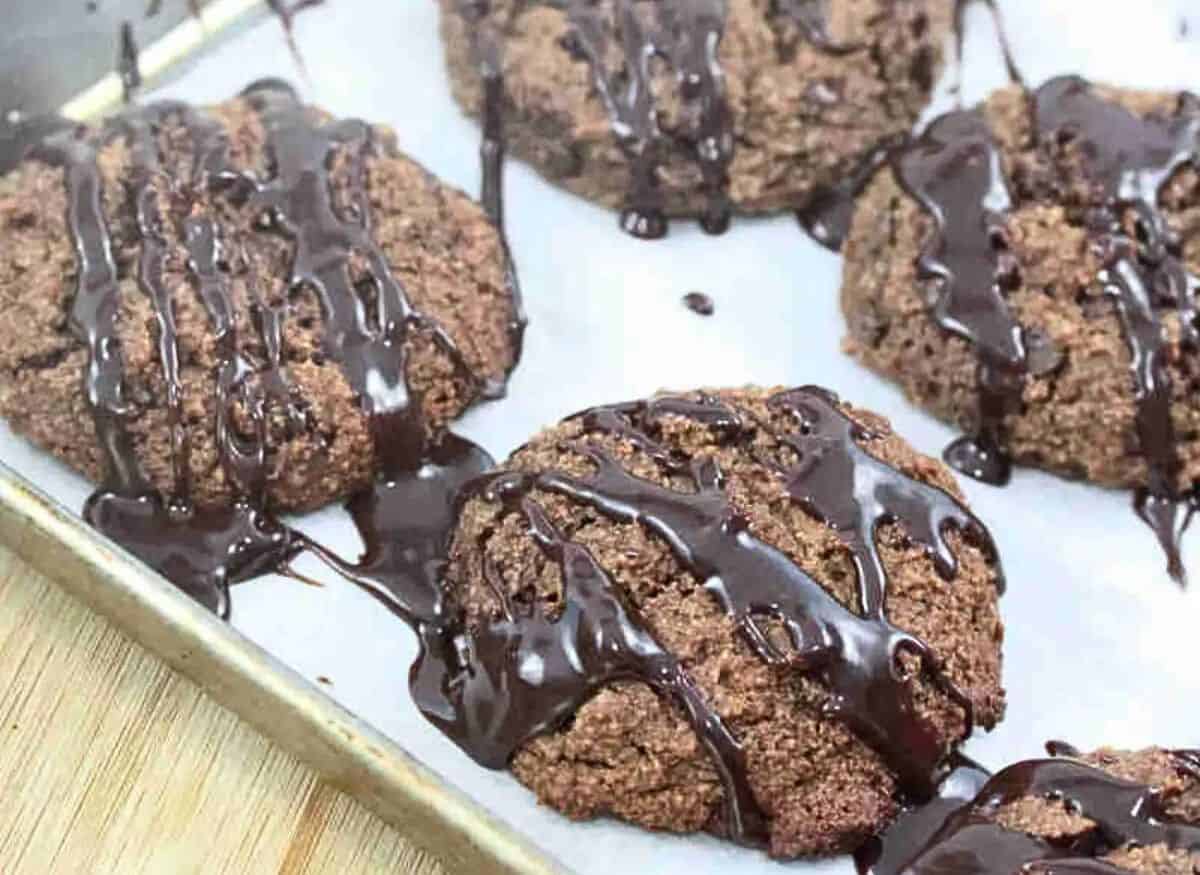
pixel 266 693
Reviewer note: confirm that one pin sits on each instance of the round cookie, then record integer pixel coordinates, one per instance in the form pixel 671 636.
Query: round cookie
pixel 756 613
pixel 1106 812
pixel 1027 271
pixel 753 106
pixel 219 338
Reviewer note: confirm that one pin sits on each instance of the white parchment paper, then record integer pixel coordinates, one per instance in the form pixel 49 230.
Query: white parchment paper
pixel 1101 646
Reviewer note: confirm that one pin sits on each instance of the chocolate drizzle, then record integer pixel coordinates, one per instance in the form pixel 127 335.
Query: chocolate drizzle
pixel 201 551
pixel 829 210
pixel 497 686
pixel 1129 158
pixel 204 550
pixel 954 172
pixel 492 685
pixel 686 36
pixel 969 840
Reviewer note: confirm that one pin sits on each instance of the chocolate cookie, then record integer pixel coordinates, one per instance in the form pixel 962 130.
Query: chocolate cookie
pixel 1027 270
pixel 223 313
pixel 703 107
pixel 1108 812
pixel 209 304
pixel 756 613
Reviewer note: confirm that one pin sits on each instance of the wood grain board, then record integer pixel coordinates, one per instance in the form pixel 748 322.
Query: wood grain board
pixel 111 762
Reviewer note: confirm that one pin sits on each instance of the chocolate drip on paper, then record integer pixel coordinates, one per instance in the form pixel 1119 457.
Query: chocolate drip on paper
pixel 960 35
pixel 969 840
pixel 699 303
pixel 286 13
pixel 888 851
pixel 827 214
pixel 1129 158
pixel 486 51
pixel 204 550
pixel 953 171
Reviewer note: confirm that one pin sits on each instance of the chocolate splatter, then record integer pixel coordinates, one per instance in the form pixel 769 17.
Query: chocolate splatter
pixel 205 550
pixel 699 303
pixel 967 839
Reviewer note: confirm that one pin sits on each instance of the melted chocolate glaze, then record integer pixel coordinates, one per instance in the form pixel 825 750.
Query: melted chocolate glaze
pixel 855 654
pixel 916 825
pixel 205 550
pixel 954 171
pixel 699 303
pixel 494 684
pixel 686 35
pixel 967 839
pixel 1129 158
pixel 827 214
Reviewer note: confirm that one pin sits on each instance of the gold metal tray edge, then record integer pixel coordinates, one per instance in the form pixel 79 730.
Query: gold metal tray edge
pixel 263 691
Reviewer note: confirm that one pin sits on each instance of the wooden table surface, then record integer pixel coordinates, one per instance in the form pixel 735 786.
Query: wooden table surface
pixel 113 763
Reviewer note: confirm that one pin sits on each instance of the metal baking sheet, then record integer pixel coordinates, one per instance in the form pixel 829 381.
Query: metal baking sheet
pixel 1101 646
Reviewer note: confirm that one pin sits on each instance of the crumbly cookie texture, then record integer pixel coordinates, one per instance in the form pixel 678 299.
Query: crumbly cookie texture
pixel 802 116
pixel 1077 411
pixel 437 241
pixel 630 753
